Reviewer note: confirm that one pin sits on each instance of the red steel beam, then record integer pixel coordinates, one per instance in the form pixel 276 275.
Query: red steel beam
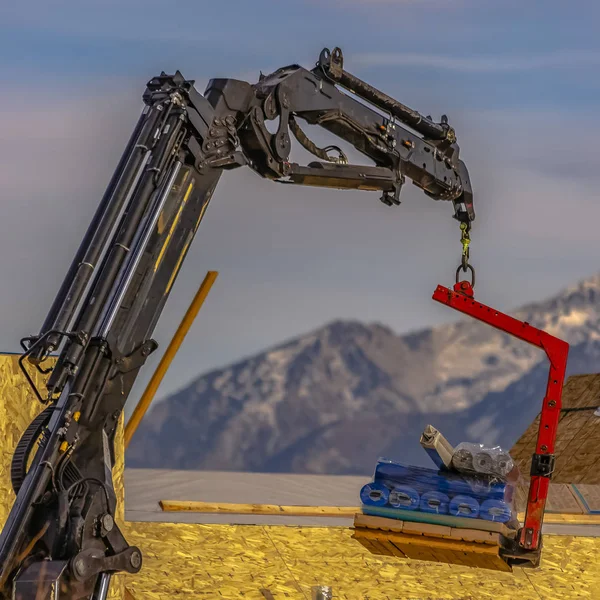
pixel 557 350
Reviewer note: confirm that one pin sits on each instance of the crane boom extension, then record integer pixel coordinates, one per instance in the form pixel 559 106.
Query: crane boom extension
pixel 61 536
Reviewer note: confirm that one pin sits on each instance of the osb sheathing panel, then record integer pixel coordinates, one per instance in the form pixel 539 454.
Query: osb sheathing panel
pixel 220 561
pixel 562 499
pixel 578 438
pixel 18 407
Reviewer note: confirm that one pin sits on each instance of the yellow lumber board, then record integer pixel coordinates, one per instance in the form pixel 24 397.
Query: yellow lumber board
pixel 342 512
pixel 556 519
pixel 192 312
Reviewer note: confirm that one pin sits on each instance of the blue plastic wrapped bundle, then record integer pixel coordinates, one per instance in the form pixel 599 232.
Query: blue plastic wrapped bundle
pixel 402 496
pixel 374 494
pixel 496 510
pixel 451 484
pixel 419 478
pixel 394 471
pixel 476 486
pixel 479 483
pixel 464 506
pixel 434 502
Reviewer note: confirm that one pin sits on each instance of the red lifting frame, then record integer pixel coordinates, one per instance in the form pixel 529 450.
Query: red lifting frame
pixel 557 351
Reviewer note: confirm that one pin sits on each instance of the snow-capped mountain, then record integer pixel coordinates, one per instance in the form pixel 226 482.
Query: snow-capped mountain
pixel 334 400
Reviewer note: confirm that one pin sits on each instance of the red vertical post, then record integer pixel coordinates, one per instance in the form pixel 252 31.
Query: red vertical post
pixel 557 350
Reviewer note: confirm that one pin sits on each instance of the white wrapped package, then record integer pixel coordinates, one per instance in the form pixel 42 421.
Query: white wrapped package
pixel 476 458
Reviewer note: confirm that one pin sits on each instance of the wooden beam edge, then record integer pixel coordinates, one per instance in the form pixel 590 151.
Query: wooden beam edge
pixel 342 512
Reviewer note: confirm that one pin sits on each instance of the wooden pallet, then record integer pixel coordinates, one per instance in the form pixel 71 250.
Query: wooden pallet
pixel 433 543
pixel 436 519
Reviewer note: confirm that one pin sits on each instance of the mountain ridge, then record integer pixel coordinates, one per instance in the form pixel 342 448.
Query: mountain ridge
pixel 337 397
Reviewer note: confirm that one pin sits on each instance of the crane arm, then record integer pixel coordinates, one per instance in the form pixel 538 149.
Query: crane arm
pixel 61 535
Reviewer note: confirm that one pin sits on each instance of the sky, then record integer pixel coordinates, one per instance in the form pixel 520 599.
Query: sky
pixel 519 81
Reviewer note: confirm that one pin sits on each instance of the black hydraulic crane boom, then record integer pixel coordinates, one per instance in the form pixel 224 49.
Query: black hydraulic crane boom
pixel 60 539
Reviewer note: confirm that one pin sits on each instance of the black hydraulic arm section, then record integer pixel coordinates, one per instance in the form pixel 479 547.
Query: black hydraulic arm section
pixel 61 539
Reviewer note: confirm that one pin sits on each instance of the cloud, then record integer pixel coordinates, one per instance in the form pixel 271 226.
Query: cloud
pixel 443 4
pixel 129 21
pixel 482 64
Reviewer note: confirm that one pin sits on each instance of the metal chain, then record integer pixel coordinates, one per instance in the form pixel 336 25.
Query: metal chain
pixel 465 240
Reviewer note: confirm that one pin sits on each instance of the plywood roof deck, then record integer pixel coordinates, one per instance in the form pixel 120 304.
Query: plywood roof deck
pixel 192 561
pixel 578 439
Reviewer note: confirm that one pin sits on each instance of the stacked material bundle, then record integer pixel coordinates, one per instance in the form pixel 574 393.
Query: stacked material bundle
pixel 471 481
pixel 475 458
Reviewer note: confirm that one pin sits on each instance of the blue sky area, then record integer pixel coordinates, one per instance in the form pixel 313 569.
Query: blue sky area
pixel 519 81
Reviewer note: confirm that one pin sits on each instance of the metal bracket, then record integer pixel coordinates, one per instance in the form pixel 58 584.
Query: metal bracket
pixel 137 358
pixel 332 62
pixel 393 199
pixel 31 344
pixel 281 141
pixel 231 161
pixel 88 563
pixel 262 142
pixel 542 465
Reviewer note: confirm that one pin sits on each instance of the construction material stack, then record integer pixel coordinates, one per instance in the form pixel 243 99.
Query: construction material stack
pixel 467 502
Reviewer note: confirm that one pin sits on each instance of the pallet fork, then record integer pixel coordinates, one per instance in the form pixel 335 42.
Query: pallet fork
pixel 524 548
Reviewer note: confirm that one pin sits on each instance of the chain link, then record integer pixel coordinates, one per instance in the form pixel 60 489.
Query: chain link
pixel 465 240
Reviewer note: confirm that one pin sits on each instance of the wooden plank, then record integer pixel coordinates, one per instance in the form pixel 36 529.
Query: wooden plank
pixel 371 522
pixel 441 531
pixel 348 512
pixel 430 542
pixel 475 536
pixel 418 552
pixel 432 549
pixel 342 512
pixel 445 520
pixel 391 548
pixel 368 544
pixel 426 529
pixel 376 547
